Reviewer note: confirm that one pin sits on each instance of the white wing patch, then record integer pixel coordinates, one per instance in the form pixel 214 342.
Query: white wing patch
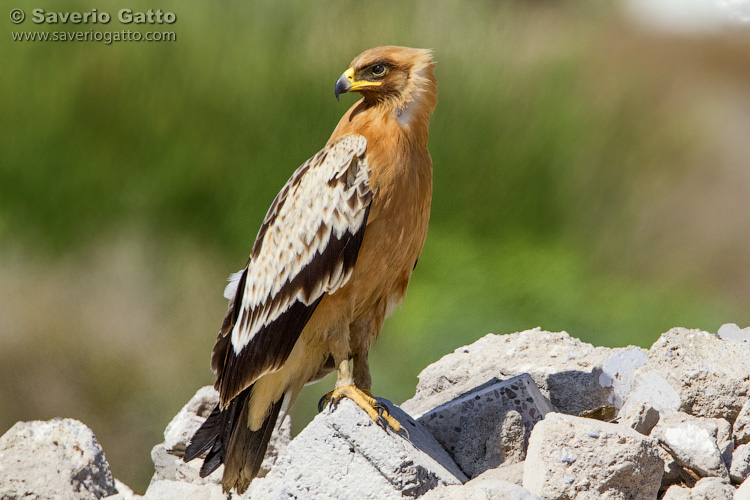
pixel 327 197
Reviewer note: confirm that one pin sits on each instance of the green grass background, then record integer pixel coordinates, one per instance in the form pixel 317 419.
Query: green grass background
pixel 588 178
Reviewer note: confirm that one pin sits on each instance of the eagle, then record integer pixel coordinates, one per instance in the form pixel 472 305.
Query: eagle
pixel 332 259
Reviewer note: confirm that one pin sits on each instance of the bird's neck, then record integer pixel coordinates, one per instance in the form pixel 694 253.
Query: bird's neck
pixel 408 118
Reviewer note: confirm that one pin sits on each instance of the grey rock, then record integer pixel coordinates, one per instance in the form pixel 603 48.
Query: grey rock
pixel 743 492
pixel 566 370
pixel 167 457
pixel 509 472
pixel 740 467
pixel 343 454
pixel 123 492
pixel 177 490
pixel 182 427
pixel 731 331
pixel 674 473
pixel 481 490
pixel 573 457
pixel 489 425
pixel 693 442
pixel 58 459
pixel 741 429
pixel 640 416
pixel 695 372
pixel 709 488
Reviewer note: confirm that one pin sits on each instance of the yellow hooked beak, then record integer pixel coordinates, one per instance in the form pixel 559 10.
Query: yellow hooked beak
pixel 346 83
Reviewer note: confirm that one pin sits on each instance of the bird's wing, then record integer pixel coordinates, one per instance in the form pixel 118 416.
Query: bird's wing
pixel 306 247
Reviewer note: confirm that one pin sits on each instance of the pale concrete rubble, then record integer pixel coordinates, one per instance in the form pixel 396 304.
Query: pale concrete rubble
pixel 699 373
pixel 565 369
pixel 489 425
pixel 693 442
pixel 743 492
pixel 739 470
pixel 167 456
pixel 478 415
pixel 489 489
pixel 708 488
pixel 123 492
pixel 178 490
pixel 573 457
pixel 741 428
pixel 343 454
pixel 58 459
pixel 509 472
pixel 640 416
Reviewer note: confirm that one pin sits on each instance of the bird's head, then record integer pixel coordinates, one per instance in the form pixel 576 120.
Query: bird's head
pixel 396 75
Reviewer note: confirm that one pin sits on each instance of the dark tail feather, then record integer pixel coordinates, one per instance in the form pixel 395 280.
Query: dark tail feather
pixel 229 441
pixel 247 449
pixel 215 434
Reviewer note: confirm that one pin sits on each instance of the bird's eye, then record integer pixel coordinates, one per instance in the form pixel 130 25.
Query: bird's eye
pixel 378 70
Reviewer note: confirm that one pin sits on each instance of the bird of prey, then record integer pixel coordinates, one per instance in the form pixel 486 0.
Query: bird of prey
pixel 331 261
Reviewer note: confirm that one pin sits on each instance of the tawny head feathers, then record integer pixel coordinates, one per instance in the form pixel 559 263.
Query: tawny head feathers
pixel 392 76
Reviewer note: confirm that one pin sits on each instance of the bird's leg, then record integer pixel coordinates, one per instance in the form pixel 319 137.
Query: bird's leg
pixel 356 386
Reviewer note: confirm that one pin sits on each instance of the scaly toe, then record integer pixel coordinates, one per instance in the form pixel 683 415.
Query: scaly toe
pixel 376 410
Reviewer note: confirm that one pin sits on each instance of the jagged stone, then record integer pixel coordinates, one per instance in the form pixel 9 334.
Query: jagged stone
pixel 573 457
pixel 343 454
pixel 177 490
pixel 123 492
pixel 481 490
pixel 182 427
pixel 708 488
pixel 693 442
pixel 58 459
pixel 739 470
pixel 167 456
pixel 695 372
pixel 741 429
pixel 566 370
pixel 640 416
pixel 743 492
pixel 489 425
pixel 509 472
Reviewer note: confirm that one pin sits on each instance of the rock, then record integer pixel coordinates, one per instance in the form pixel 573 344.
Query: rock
pixel 182 427
pixel 674 473
pixel 640 416
pixel 123 492
pixel 482 490
pixel 344 454
pixel 511 473
pixel 743 492
pixel 566 370
pixel 618 371
pixel 739 469
pixel 489 425
pixel 573 457
pixel 58 459
pixel 708 488
pixel 177 490
pixel 693 442
pixel 730 331
pixel 167 457
pixel 741 430
pixel 695 372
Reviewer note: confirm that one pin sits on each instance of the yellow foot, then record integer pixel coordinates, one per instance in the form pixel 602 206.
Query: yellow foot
pixel 377 411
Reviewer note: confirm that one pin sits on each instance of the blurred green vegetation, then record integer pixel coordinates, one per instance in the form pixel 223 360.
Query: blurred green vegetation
pixel 569 149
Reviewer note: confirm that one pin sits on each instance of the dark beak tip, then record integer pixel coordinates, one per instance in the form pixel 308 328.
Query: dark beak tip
pixel 341 87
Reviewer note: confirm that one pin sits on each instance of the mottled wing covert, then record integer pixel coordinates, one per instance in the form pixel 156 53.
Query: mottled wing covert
pixel 306 247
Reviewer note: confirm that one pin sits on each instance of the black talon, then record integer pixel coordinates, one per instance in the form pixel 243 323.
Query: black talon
pixel 324 401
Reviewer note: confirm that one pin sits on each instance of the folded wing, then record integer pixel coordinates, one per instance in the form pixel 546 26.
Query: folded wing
pixel 306 247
